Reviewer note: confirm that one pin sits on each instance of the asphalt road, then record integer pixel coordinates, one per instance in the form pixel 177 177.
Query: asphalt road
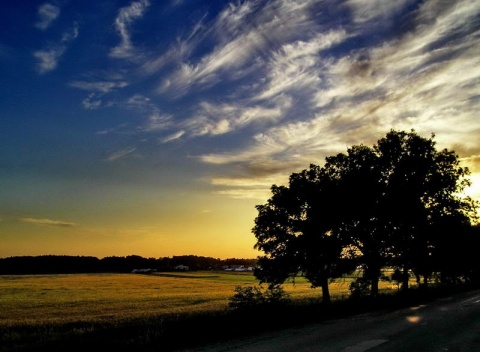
pixel 448 324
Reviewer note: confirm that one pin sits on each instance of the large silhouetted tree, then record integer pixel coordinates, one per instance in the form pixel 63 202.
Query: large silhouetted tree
pixel 381 206
pixel 358 192
pixel 422 187
pixel 297 229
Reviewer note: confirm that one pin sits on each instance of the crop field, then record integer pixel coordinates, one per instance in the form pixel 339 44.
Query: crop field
pixel 44 306
pixel 59 299
pixel 44 299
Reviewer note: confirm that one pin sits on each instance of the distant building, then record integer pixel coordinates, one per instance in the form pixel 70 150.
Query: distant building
pixel 143 271
pixel 238 268
pixel 182 268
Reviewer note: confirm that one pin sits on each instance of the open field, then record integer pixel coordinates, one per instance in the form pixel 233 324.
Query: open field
pixel 96 298
pixel 48 307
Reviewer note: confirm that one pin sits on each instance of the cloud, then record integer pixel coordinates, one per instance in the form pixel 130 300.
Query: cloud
pixel 472 162
pixel 126 16
pixel 156 122
pixel 248 187
pixel 230 57
pixel 47 222
pixel 252 182
pixel 224 118
pixel 286 144
pixel 173 137
pixel 414 79
pixel 120 154
pixel 183 46
pixel 98 86
pixel 139 101
pixel 300 79
pixel 261 193
pixel 92 102
pixel 48 58
pixel 298 65
pixel 99 89
pixel 47 13
pixel 242 32
pixel 153 120
pixel 365 11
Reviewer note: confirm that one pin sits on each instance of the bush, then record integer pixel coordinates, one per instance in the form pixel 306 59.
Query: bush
pixel 253 296
pixel 359 288
pixel 397 276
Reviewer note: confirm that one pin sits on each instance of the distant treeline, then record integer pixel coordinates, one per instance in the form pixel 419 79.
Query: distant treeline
pixel 63 264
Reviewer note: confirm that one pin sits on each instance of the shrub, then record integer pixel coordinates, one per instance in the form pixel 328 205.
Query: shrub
pixel 359 288
pixel 253 296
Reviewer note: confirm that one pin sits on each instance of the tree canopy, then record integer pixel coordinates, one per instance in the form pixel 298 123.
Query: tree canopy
pixel 397 204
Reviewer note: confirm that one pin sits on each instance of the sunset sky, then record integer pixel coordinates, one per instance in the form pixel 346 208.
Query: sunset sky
pixel 154 127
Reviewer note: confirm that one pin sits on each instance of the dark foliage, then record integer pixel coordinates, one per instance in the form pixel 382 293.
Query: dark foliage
pixel 397 205
pixel 253 297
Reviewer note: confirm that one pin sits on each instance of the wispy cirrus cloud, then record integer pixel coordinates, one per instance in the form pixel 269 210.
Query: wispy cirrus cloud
pixel 173 137
pixel 245 188
pixel 229 47
pixel 155 120
pixel 373 11
pixel 244 32
pixel 48 222
pixel 414 79
pixel 98 86
pixel 98 90
pixel 303 79
pixel 299 64
pixel 126 16
pixel 177 51
pixel 120 154
pixel 284 147
pixel 47 13
pixel 47 59
pixel 93 101
pixel 230 57
pixel 220 119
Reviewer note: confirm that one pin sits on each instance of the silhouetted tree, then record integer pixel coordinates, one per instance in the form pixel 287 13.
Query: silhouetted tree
pixel 358 192
pixel 386 205
pixel 298 231
pixel 422 187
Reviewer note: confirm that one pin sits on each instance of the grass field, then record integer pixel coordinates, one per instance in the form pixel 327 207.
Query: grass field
pixel 32 303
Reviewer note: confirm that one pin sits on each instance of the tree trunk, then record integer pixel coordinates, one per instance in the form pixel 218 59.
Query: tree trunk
pixel 405 278
pixel 325 292
pixel 374 289
pixel 373 273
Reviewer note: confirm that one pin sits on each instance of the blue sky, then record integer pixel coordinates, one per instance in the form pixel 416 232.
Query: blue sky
pixel 155 127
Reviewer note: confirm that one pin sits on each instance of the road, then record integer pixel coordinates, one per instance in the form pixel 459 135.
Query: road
pixel 447 324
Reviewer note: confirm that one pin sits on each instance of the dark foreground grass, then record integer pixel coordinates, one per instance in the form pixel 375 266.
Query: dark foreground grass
pixel 176 331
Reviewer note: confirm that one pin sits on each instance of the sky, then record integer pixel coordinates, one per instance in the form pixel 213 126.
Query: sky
pixel 154 127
